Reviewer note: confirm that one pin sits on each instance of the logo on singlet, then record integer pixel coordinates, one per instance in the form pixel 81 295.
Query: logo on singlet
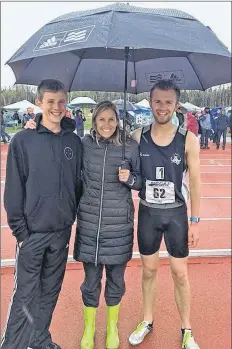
pixel 142 154
pixel 176 159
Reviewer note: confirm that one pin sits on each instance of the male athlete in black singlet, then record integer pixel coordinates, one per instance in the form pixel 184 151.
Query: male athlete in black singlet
pixel 167 153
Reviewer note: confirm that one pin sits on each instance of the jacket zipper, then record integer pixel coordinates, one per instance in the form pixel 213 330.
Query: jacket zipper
pixel 100 214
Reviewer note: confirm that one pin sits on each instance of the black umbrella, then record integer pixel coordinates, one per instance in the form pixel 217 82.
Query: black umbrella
pixel 105 48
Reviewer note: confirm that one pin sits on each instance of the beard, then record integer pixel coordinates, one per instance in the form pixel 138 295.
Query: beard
pixel 163 120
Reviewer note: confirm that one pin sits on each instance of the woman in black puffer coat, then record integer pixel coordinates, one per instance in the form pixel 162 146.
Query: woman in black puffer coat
pixel 105 223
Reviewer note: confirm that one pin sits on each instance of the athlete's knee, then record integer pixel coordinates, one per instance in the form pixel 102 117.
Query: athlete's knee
pixel 150 271
pixel 180 277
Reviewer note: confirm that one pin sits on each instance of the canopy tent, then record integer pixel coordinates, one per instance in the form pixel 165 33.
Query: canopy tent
pixel 82 101
pixel 21 107
pixel 143 104
pixel 190 106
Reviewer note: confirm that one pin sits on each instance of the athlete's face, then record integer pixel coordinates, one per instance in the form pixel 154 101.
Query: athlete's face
pixel 163 104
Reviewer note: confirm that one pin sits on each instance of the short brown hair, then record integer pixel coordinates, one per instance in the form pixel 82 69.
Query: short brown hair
pixel 49 85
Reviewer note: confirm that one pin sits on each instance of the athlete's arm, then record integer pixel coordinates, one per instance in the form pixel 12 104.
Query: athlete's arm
pixel 192 150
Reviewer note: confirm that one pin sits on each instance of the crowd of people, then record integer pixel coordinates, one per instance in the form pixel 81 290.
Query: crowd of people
pixel 53 177
pixel 210 126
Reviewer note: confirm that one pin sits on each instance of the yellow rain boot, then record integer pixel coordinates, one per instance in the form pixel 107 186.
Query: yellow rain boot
pixel 87 341
pixel 112 339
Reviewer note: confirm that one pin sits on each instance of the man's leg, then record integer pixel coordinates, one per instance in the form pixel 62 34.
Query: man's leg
pixel 52 275
pixel 149 239
pixel 176 239
pixel 21 314
pixel 3 134
pixel 179 272
pixel 207 133
pixel 219 133
pixel 224 139
pixel 202 137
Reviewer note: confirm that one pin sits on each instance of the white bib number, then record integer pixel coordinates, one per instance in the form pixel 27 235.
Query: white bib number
pixel 160 192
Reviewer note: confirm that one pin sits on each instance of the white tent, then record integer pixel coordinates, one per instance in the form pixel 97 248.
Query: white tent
pixel 143 104
pixel 21 107
pixel 190 107
pixel 82 100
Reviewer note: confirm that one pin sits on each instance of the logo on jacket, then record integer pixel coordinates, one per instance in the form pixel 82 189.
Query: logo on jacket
pixel 176 159
pixel 68 152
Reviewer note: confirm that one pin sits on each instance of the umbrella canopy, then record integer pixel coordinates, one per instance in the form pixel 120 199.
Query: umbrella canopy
pixel 120 105
pixel 82 101
pixel 22 106
pixel 86 51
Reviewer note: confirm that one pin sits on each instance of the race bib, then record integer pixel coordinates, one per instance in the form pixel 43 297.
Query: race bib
pixel 158 192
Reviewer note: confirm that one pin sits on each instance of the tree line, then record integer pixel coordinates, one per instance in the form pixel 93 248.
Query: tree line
pixel 212 97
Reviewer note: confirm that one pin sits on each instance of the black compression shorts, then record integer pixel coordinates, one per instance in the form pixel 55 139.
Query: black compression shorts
pixel 172 222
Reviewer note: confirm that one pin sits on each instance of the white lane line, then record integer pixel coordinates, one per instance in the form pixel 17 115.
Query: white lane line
pixel 217 165
pixel 217 172
pixel 227 183
pixel 216 197
pixel 224 252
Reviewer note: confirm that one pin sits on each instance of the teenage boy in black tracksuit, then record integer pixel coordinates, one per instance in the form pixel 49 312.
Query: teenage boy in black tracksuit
pixel 42 193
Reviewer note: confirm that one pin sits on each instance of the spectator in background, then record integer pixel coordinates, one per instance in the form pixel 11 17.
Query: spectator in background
pixel 79 119
pixel 222 123
pixel 68 114
pixel 4 135
pixel 192 123
pixel 180 116
pixel 206 127
pixel 26 117
pixel 16 117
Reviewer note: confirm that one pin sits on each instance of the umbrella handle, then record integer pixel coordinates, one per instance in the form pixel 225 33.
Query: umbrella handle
pixel 125 165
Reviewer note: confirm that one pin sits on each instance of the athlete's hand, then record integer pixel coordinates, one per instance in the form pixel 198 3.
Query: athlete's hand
pixel 30 124
pixel 123 175
pixel 193 235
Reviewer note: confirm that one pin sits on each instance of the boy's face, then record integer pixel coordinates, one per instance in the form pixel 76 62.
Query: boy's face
pixel 53 106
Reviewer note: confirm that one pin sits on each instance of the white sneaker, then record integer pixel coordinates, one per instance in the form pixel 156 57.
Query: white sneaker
pixel 188 341
pixel 140 333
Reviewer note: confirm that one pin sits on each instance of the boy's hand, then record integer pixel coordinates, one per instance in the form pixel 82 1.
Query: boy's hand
pixel 123 175
pixel 30 124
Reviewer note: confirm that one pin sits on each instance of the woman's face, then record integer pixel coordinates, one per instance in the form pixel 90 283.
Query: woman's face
pixel 106 123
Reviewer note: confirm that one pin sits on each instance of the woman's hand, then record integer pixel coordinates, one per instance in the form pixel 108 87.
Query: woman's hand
pixel 123 175
pixel 30 124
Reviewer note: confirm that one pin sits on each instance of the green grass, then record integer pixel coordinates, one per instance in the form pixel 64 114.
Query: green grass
pixel 88 123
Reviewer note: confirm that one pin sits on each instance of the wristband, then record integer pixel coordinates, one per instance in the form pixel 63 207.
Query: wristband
pixel 194 219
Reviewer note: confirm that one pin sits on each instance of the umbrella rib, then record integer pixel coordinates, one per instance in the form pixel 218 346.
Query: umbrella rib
pixel 135 72
pixel 81 57
pixel 203 89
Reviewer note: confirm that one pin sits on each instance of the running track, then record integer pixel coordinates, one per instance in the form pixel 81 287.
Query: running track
pixel 210 277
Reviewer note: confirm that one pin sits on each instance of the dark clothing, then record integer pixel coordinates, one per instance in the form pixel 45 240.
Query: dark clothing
pixel 26 118
pixel 222 122
pixel 42 180
pixel 106 212
pixel 219 134
pixel 42 192
pixel 205 137
pixel 80 132
pixel 36 291
pixel 163 170
pixel 79 122
pixel 172 223
pixel 114 287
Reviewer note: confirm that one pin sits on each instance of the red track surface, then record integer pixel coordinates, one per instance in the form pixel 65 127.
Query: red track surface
pixel 210 278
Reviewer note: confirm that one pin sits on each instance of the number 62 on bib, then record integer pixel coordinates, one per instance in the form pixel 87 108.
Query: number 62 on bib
pixel 160 192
